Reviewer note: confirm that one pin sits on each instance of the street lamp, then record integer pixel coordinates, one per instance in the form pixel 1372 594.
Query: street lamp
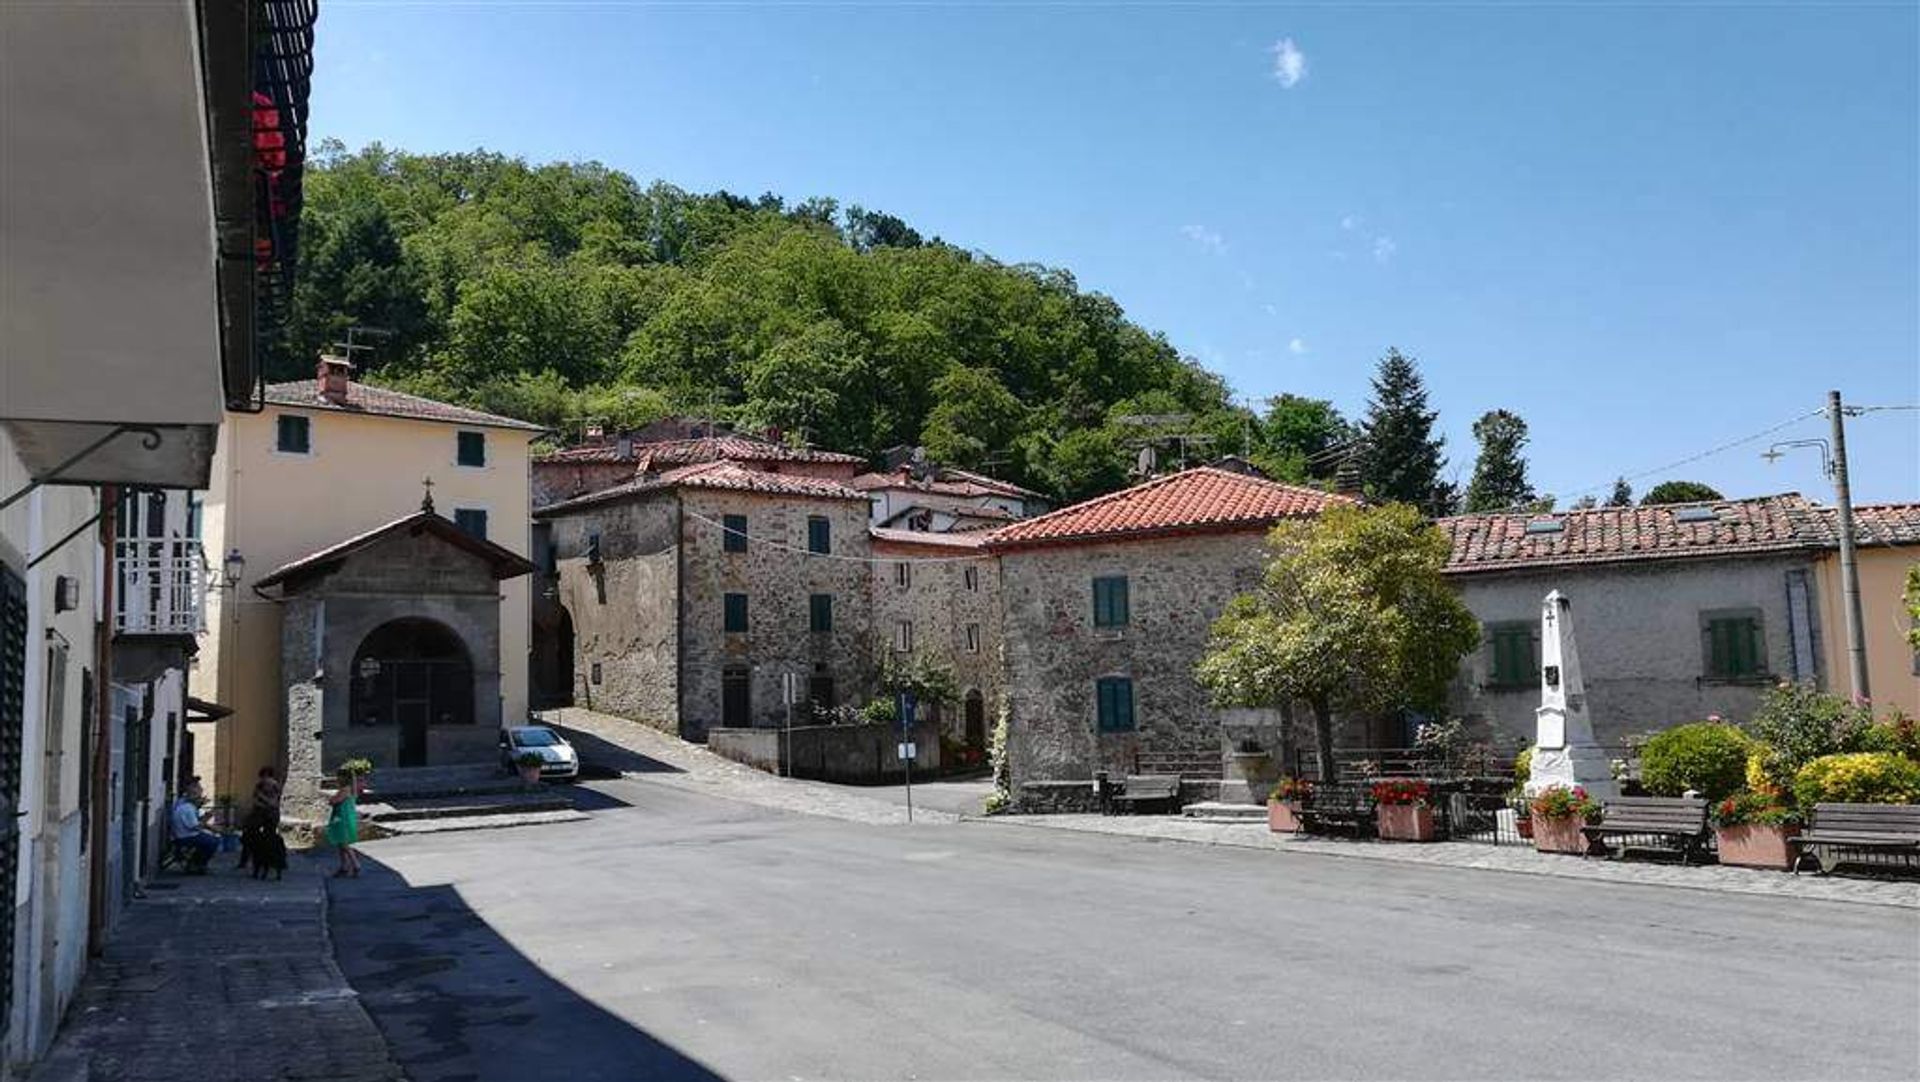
pixel 233 567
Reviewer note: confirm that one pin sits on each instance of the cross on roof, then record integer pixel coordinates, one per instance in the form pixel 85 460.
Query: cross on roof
pixel 426 500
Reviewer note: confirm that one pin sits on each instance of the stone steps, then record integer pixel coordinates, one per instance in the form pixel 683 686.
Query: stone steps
pixel 1212 811
pixel 484 822
pixel 390 810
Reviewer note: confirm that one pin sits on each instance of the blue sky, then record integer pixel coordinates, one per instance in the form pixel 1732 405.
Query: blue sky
pixel 1648 231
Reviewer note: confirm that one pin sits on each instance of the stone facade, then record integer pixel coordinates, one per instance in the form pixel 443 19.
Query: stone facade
pixel 1642 639
pixel 949 596
pixel 623 608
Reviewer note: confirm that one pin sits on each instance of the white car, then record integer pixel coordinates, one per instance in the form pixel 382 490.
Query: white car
pixel 557 757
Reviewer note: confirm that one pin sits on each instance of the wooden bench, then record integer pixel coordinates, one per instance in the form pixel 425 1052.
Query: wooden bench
pixel 1332 806
pixel 1886 830
pixel 1674 824
pixel 1139 790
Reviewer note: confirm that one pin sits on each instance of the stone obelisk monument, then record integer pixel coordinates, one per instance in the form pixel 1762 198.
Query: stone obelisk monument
pixel 1564 751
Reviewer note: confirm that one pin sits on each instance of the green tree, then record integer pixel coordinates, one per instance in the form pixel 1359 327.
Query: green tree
pixel 1913 606
pixel 1086 462
pixel 972 417
pixel 1679 492
pixel 1352 615
pixel 1500 473
pixel 1622 494
pixel 1403 458
pixel 1300 439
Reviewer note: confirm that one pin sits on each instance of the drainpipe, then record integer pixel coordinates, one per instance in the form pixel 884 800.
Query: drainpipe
pixel 103 728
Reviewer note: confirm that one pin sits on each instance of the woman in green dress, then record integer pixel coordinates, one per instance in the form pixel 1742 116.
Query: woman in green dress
pixel 343 828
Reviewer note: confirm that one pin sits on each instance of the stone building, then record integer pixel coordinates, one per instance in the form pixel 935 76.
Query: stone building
pixel 697 594
pixel 937 596
pixel 1107 606
pixel 1683 610
pixel 913 494
pixel 390 649
pixel 605 461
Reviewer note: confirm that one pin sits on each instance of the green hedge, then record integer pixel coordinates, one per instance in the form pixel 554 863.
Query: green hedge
pixel 1709 757
pixel 1867 777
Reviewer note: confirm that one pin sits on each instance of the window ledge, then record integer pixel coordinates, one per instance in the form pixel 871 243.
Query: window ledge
pixel 1757 680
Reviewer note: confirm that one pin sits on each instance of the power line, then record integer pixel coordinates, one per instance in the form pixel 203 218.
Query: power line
pixel 1690 459
pixel 810 554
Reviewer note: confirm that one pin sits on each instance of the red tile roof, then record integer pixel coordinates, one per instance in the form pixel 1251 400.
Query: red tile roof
pixel 966 539
pixel 665 454
pixel 945 481
pixel 1501 541
pixel 381 402
pixel 1873 524
pixel 506 564
pixel 730 476
pixel 1202 499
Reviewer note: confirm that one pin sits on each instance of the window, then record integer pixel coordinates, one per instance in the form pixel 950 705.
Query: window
pixel 471 519
pixel 971 578
pixel 973 638
pixel 595 677
pixel 903 636
pixel 293 434
pixel 736 612
pixel 1110 601
pixel 1735 645
pixel 592 551
pixel 819 534
pixel 1513 663
pixel 734 533
pixel 1115 697
pixel 470 448
pixel 820 612
pixel 902 573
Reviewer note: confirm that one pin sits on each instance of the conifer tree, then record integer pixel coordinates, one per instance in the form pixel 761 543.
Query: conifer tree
pixel 1622 494
pixel 1403 457
pixel 1500 473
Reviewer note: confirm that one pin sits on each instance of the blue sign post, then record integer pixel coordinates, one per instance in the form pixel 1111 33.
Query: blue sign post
pixel 907 750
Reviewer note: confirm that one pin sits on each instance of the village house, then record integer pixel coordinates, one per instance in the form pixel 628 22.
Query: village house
pixel 937 596
pixel 1886 544
pixel 692 597
pixel 1106 607
pixel 602 461
pixel 914 494
pixel 318 496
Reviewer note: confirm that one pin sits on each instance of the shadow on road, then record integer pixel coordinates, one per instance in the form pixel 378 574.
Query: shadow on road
pixel 603 758
pixel 456 1002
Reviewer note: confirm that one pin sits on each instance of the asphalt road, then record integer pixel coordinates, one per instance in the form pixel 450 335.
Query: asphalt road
pixel 684 936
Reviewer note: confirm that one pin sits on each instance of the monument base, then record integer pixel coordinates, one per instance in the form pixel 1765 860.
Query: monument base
pixel 1582 766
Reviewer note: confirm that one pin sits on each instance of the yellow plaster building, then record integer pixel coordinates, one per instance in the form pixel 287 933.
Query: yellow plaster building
pixel 1887 543
pixel 329 459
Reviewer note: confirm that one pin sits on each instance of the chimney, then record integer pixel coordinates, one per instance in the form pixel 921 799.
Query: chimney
pixel 625 447
pixel 335 374
pixel 595 432
pixel 1346 479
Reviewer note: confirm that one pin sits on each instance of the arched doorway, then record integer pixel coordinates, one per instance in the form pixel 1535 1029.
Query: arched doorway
pixel 552 656
pixel 412 673
pixel 975 711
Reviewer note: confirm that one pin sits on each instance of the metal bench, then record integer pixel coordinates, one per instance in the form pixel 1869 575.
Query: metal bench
pixel 1864 830
pixel 1141 790
pixel 1332 806
pixel 1672 824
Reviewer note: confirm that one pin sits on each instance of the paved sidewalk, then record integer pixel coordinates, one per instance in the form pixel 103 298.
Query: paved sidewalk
pixel 221 978
pixel 1518 859
pixel 634 749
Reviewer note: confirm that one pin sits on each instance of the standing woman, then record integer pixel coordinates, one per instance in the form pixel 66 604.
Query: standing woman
pixel 343 829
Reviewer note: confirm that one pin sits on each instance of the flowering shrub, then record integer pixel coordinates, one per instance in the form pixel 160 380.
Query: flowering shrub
pixel 1759 807
pixel 1709 757
pixel 1867 777
pixel 1560 802
pixel 1290 789
pixel 1523 765
pixel 359 768
pixel 1402 791
pixel 1896 734
pixel 1798 724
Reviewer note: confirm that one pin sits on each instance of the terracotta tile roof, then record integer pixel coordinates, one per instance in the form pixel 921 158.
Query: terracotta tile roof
pixel 981 515
pixel 965 539
pixel 945 481
pixel 730 476
pixel 1873 524
pixel 665 454
pixel 1201 499
pixel 1501 541
pixel 381 402
pixel 506 564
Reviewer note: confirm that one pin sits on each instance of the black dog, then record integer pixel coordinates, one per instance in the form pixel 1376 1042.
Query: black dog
pixel 265 850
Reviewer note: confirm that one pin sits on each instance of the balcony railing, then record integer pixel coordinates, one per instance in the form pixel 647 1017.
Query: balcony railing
pixel 162 587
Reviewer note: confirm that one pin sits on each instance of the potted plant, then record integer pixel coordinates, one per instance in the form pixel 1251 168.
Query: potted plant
pixel 1751 829
pixel 1558 815
pixel 360 770
pixel 1283 804
pixel 1405 810
pixel 529 764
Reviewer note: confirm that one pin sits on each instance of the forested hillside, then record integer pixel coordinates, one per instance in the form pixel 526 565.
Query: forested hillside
pixel 568 292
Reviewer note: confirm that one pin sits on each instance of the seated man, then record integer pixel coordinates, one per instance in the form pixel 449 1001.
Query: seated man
pixel 197 843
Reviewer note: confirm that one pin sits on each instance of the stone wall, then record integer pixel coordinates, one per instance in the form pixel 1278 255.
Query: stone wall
pixel 940 606
pixel 626 652
pixel 556 481
pixel 1053 654
pixel 848 754
pixel 1638 630
pixel 778 575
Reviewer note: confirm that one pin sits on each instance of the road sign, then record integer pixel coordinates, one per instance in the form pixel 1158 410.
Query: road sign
pixel 908 752
pixel 789 689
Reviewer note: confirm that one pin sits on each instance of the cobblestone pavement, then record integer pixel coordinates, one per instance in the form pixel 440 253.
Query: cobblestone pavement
pixel 221 978
pixel 1503 858
pixel 634 749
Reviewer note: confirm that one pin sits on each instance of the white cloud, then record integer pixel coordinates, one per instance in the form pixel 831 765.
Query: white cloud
pixel 1297 346
pixel 1383 249
pixel 1289 63
pixel 1270 309
pixel 1205 238
pixel 1351 222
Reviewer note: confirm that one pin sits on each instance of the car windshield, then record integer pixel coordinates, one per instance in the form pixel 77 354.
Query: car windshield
pixel 535 738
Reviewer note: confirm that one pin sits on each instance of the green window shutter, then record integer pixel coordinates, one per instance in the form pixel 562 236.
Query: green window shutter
pixel 736 612
pixel 1110 601
pixel 820 612
pixel 292 434
pixel 472 520
pixel 734 535
pixel 471 448
pixel 819 534
pixel 1114 704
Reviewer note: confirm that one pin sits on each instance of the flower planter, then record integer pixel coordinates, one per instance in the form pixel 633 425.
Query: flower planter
pixel 1560 835
pixel 530 775
pixel 1406 823
pixel 1283 816
pixel 1753 845
pixel 1523 824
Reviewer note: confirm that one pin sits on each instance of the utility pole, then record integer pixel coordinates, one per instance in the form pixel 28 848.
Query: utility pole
pixel 1849 568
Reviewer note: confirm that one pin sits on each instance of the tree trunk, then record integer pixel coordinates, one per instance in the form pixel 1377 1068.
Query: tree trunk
pixel 1323 738
pixel 1289 761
